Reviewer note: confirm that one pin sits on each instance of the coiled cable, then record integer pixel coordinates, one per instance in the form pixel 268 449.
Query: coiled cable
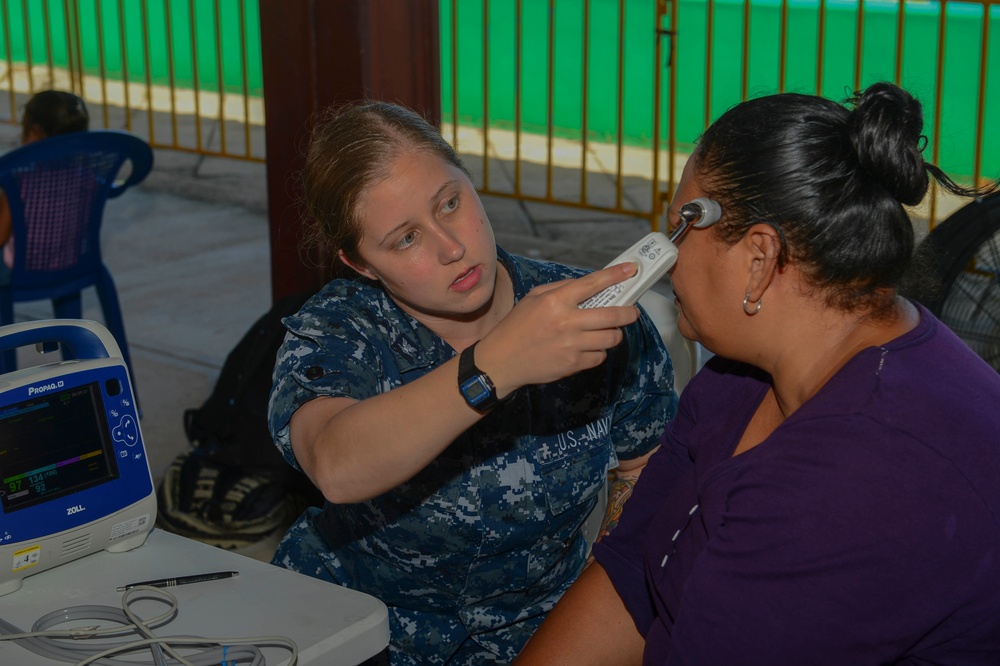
pixel 50 642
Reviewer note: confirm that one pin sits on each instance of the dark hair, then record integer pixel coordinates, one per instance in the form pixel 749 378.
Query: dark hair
pixel 350 150
pixel 831 180
pixel 55 112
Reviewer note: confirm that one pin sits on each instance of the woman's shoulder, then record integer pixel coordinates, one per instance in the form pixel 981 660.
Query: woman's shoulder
pixel 722 393
pixel 531 272
pixel 342 304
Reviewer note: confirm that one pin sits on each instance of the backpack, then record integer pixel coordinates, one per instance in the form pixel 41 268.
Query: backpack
pixel 233 488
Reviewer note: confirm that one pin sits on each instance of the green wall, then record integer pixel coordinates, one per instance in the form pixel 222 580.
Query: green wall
pixel 959 94
pixel 608 41
pixel 603 46
pixel 43 15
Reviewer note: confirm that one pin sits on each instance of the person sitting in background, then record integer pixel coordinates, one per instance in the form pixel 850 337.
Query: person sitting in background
pixel 457 408
pixel 829 491
pixel 47 113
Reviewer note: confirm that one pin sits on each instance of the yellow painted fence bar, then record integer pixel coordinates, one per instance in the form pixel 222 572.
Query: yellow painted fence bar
pixel 599 88
pixel 184 74
pixel 737 44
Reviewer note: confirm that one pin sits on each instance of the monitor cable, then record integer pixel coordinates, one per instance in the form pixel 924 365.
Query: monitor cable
pixel 70 645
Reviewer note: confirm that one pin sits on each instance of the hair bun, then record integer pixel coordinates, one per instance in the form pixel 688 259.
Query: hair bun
pixel 885 128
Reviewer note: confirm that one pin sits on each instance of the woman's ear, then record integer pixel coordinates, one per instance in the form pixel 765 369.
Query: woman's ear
pixel 764 244
pixel 358 268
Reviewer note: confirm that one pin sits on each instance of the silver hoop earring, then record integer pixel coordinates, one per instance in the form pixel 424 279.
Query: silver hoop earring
pixel 746 303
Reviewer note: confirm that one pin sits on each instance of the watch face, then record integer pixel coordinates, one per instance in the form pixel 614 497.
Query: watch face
pixel 475 390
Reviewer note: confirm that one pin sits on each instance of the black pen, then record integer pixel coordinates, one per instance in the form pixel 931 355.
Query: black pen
pixel 182 580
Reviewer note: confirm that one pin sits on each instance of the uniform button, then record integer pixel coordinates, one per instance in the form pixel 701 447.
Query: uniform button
pixel 315 372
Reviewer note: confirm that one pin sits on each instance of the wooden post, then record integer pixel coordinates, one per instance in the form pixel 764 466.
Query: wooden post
pixel 317 53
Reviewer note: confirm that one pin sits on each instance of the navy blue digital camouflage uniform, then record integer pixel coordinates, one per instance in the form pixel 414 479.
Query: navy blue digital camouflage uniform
pixel 472 552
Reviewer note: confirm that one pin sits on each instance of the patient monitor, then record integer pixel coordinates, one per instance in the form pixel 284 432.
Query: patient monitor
pixel 74 478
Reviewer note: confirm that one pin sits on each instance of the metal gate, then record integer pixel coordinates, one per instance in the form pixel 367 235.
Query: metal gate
pixel 594 104
pixel 944 52
pixel 183 74
pixel 552 101
pixel 586 104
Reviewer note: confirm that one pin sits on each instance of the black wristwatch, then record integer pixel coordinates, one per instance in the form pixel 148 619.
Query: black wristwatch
pixel 476 386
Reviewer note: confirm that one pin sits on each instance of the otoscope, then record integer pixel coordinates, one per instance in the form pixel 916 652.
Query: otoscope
pixel 654 255
pixel 696 214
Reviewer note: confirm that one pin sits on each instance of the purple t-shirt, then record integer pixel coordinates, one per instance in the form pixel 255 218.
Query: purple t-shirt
pixel 862 531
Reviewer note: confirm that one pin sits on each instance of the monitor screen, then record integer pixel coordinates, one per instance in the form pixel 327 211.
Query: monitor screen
pixel 53 445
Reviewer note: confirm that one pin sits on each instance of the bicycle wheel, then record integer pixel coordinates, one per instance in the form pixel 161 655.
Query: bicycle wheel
pixel 966 248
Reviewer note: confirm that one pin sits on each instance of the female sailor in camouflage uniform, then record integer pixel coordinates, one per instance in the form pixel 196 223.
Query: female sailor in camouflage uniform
pixel 455 491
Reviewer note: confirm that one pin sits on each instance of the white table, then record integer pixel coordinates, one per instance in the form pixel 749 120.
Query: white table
pixel 332 625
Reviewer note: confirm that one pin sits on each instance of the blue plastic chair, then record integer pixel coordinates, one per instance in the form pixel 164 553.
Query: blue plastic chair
pixel 56 189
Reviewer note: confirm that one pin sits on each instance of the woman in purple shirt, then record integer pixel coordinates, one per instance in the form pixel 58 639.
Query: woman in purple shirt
pixel 829 492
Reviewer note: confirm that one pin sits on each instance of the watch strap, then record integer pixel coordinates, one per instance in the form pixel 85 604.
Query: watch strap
pixel 475 385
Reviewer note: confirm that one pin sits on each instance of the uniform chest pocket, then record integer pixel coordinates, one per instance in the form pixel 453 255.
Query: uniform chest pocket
pixel 574 465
